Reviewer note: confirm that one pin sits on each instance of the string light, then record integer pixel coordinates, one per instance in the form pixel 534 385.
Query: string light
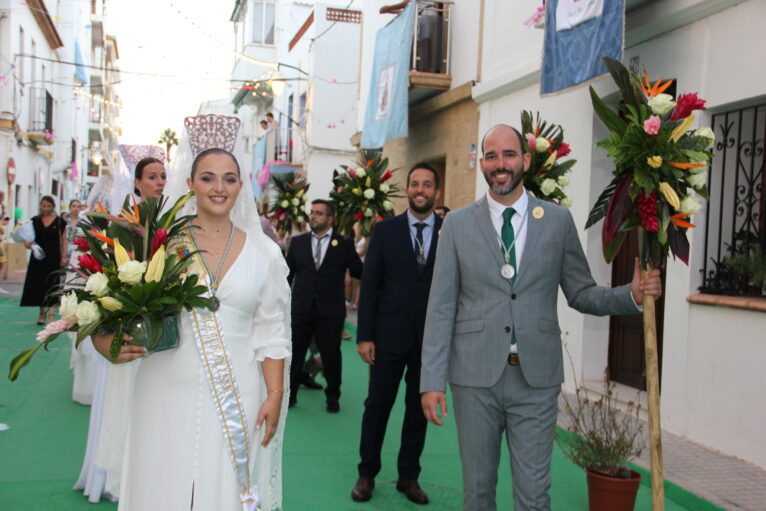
pixel 79 91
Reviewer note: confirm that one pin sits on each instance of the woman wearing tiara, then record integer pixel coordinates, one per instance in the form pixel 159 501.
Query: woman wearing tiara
pixel 207 417
pixel 102 465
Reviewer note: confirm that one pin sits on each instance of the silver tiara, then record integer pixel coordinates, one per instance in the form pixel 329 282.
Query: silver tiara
pixel 132 154
pixel 209 131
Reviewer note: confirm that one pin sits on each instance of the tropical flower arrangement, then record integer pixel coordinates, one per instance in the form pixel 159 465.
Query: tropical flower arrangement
pixel 362 193
pixel 660 167
pixel 289 208
pixel 547 176
pixel 133 284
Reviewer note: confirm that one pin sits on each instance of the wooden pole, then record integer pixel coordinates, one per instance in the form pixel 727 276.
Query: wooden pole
pixel 653 394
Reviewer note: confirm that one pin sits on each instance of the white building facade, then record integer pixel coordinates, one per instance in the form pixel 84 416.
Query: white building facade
pixel 712 346
pixel 300 62
pixel 47 103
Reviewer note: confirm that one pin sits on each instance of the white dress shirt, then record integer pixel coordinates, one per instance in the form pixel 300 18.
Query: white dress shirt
pixel 428 231
pixel 519 228
pixel 324 242
pixel 519 223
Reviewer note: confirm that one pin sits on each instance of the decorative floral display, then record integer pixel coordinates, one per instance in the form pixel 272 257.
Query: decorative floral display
pixel 289 208
pixel 547 176
pixel 660 167
pixel 130 278
pixel 362 193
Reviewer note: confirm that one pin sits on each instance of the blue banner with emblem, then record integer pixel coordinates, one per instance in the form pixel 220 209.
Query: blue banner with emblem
pixel 577 34
pixel 386 115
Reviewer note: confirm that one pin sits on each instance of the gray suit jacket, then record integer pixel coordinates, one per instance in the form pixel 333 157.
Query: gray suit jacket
pixel 472 310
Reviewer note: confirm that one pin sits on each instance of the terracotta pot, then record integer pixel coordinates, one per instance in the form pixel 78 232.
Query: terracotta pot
pixel 612 493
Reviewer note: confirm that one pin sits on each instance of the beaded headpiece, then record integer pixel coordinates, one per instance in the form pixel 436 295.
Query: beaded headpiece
pixel 132 154
pixel 211 130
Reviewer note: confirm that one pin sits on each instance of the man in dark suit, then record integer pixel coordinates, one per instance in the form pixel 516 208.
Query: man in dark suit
pixel 392 308
pixel 318 261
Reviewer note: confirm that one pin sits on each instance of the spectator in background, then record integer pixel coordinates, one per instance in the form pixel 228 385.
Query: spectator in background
pixel 71 227
pixel 3 256
pixel 441 211
pixel 42 274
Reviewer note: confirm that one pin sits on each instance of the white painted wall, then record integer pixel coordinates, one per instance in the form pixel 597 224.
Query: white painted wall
pixel 33 170
pixel 711 382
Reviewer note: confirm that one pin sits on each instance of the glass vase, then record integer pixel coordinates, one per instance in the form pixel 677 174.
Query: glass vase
pixel 156 333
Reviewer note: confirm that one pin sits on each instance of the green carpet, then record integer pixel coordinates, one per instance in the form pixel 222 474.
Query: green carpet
pixel 42 451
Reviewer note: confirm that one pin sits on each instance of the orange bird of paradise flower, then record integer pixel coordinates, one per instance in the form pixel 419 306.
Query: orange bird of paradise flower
pixel 680 222
pixel 133 216
pixel 686 166
pixel 653 90
pixel 101 237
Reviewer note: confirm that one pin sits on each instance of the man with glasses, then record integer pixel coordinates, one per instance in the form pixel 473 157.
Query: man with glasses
pixel 318 261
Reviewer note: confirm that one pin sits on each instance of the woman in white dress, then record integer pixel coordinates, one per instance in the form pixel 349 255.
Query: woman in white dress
pixel 177 456
pixel 101 472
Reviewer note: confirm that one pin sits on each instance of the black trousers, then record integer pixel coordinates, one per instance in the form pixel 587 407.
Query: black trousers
pixel 326 332
pixel 385 376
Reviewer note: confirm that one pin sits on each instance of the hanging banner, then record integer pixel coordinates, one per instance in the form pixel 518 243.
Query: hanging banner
pixel 577 34
pixel 386 115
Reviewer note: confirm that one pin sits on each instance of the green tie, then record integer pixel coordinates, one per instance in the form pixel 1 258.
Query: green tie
pixel 507 235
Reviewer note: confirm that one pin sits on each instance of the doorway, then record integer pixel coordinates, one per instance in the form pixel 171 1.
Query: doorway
pixel 626 333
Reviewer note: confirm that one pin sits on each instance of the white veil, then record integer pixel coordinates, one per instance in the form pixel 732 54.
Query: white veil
pixel 244 215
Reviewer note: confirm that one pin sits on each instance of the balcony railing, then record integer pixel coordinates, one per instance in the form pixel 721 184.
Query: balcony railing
pixel 430 45
pixel 284 144
pixel 41 112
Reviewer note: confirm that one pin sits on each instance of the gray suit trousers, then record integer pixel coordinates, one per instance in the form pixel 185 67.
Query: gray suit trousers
pixel 527 415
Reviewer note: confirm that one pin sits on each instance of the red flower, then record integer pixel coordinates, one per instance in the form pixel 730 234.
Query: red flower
pixel 647 212
pixel 82 244
pixel 385 177
pixel 563 150
pixel 90 263
pixel 352 171
pixel 159 239
pixel 359 216
pixel 685 105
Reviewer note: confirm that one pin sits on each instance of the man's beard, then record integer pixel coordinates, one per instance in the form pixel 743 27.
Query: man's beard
pixel 517 177
pixel 425 208
pixel 318 227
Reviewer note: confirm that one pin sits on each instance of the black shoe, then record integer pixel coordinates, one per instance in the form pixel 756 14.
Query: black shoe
pixel 362 491
pixel 310 383
pixel 293 401
pixel 333 407
pixel 412 491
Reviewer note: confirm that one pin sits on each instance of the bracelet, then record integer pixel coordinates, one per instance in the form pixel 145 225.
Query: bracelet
pixel 275 390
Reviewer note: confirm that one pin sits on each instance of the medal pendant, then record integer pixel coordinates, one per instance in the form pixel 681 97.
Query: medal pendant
pixel 216 304
pixel 421 260
pixel 507 271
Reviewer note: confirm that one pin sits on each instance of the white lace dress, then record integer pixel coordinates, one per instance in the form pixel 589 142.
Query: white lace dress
pixel 176 457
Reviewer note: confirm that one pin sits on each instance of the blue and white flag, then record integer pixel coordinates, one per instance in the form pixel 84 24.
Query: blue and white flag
pixel 386 115
pixel 577 34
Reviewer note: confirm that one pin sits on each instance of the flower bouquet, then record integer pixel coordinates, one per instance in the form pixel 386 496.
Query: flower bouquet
pixel 547 174
pixel 290 205
pixel 362 194
pixel 133 284
pixel 660 169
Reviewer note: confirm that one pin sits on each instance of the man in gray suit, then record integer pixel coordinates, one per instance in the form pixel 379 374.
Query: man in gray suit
pixel 492 326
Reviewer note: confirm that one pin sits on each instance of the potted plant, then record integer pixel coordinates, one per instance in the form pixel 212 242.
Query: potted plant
pixel 601 438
